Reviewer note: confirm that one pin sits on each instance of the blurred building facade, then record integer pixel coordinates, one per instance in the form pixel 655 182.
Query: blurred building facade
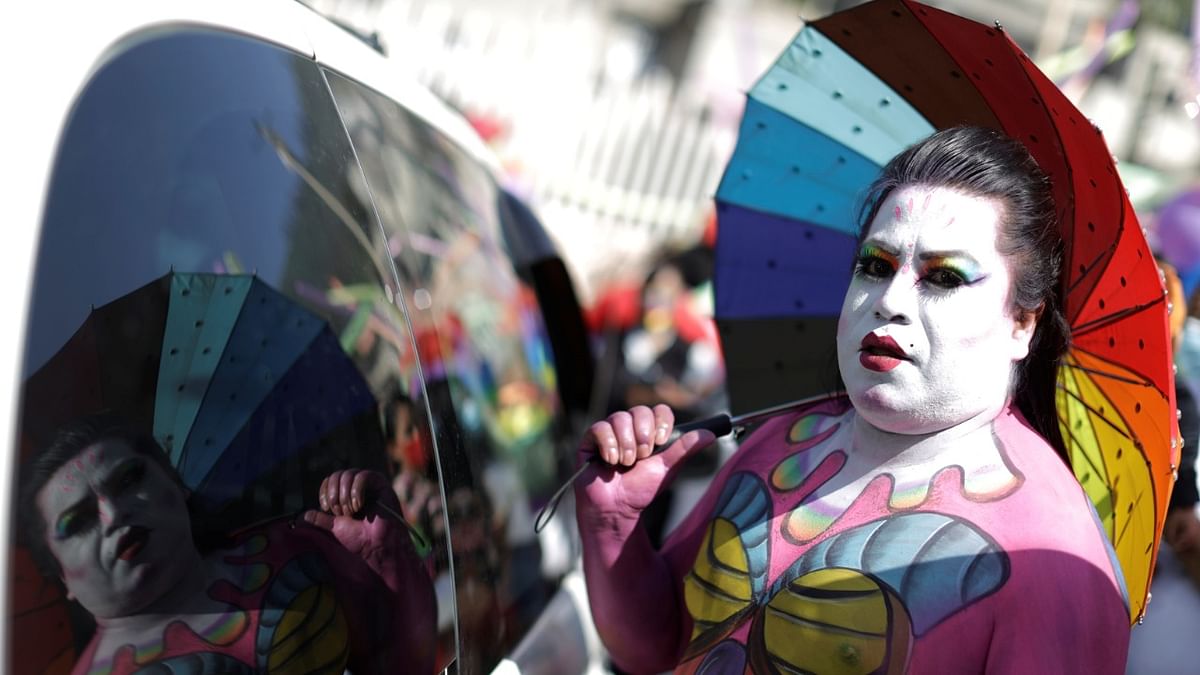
pixel 615 117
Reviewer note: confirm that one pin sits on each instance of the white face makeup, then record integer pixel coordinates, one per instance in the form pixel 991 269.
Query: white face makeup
pixel 926 339
pixel 118 526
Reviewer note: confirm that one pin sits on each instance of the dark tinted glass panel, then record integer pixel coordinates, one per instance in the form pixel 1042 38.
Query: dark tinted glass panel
pixel 487 364
pixel 212 354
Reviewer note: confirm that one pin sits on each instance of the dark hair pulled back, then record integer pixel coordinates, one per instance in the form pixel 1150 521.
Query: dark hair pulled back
pixel 987 163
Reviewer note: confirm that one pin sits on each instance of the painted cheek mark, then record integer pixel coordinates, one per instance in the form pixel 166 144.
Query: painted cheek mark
pixel 104 514
pixel 898 212
pixel 928 197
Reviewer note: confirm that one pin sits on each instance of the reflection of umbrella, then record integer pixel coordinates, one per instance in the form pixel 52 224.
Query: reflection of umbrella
pixel 849 93
pixel 250 395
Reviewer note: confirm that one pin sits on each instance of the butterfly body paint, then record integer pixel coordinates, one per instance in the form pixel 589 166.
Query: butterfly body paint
pixel 805 568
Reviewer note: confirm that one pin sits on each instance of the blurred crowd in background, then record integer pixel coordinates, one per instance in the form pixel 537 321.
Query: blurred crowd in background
pixel 614 119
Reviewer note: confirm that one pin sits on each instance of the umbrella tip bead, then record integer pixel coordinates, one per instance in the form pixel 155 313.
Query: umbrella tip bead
pixel 998 25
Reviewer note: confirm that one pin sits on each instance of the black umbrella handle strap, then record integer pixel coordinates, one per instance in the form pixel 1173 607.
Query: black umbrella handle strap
pixel 719 425
pixel 419 539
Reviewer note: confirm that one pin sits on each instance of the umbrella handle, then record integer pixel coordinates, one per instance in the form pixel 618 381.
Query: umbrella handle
pixel 421 542
pixel 719 425
pixel 419 539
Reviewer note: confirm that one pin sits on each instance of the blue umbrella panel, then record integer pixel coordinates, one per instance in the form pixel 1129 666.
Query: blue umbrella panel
pixel 249 394
pixel 816 130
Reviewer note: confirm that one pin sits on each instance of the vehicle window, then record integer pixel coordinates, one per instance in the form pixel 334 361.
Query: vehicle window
pixel 489 371
pixel 215 386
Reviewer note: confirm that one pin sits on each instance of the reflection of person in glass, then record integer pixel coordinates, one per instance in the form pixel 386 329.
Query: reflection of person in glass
pixel 109 516
pixel 408 454
pixel 922 523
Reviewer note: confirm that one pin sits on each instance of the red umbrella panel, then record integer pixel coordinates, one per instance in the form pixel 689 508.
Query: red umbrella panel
pixel 850 92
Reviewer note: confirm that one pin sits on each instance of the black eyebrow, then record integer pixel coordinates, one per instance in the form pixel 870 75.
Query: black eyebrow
pixel 118 472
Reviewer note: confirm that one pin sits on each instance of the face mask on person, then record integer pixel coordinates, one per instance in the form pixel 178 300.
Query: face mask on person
pixel 927 339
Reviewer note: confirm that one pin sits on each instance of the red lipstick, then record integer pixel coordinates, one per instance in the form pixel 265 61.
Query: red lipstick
pixel 880 353
pixel 132 542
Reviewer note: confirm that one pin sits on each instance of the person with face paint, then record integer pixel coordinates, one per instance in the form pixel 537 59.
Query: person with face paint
pixel 340 587
pixel 925 521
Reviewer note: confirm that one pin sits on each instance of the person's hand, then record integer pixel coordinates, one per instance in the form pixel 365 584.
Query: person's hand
pixel 627 475
pixel 354 505
pixel 360 509
pixel 1181 530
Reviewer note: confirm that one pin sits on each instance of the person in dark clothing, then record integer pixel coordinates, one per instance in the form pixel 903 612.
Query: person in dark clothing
pixel 1181 529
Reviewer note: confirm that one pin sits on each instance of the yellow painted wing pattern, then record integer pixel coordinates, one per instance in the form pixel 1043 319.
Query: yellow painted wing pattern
pixel 837 621
pixel 718 587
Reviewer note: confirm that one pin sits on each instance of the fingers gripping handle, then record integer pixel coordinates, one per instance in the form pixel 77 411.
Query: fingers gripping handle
pixel 719 425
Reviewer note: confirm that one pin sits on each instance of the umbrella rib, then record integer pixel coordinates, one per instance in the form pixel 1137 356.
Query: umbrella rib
pixel 1088 268
pixel 1146 381
pixel 1067 166
pixel 1102 468
pixel 1095 412
pixel 1111 376
pixel 1125 525
pixel 1114 317
pixel 1017 54
pixel 183 455
pixel 1072 438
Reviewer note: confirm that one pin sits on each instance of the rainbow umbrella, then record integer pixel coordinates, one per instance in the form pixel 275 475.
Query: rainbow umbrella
pixel 849 93
pixel 249 393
